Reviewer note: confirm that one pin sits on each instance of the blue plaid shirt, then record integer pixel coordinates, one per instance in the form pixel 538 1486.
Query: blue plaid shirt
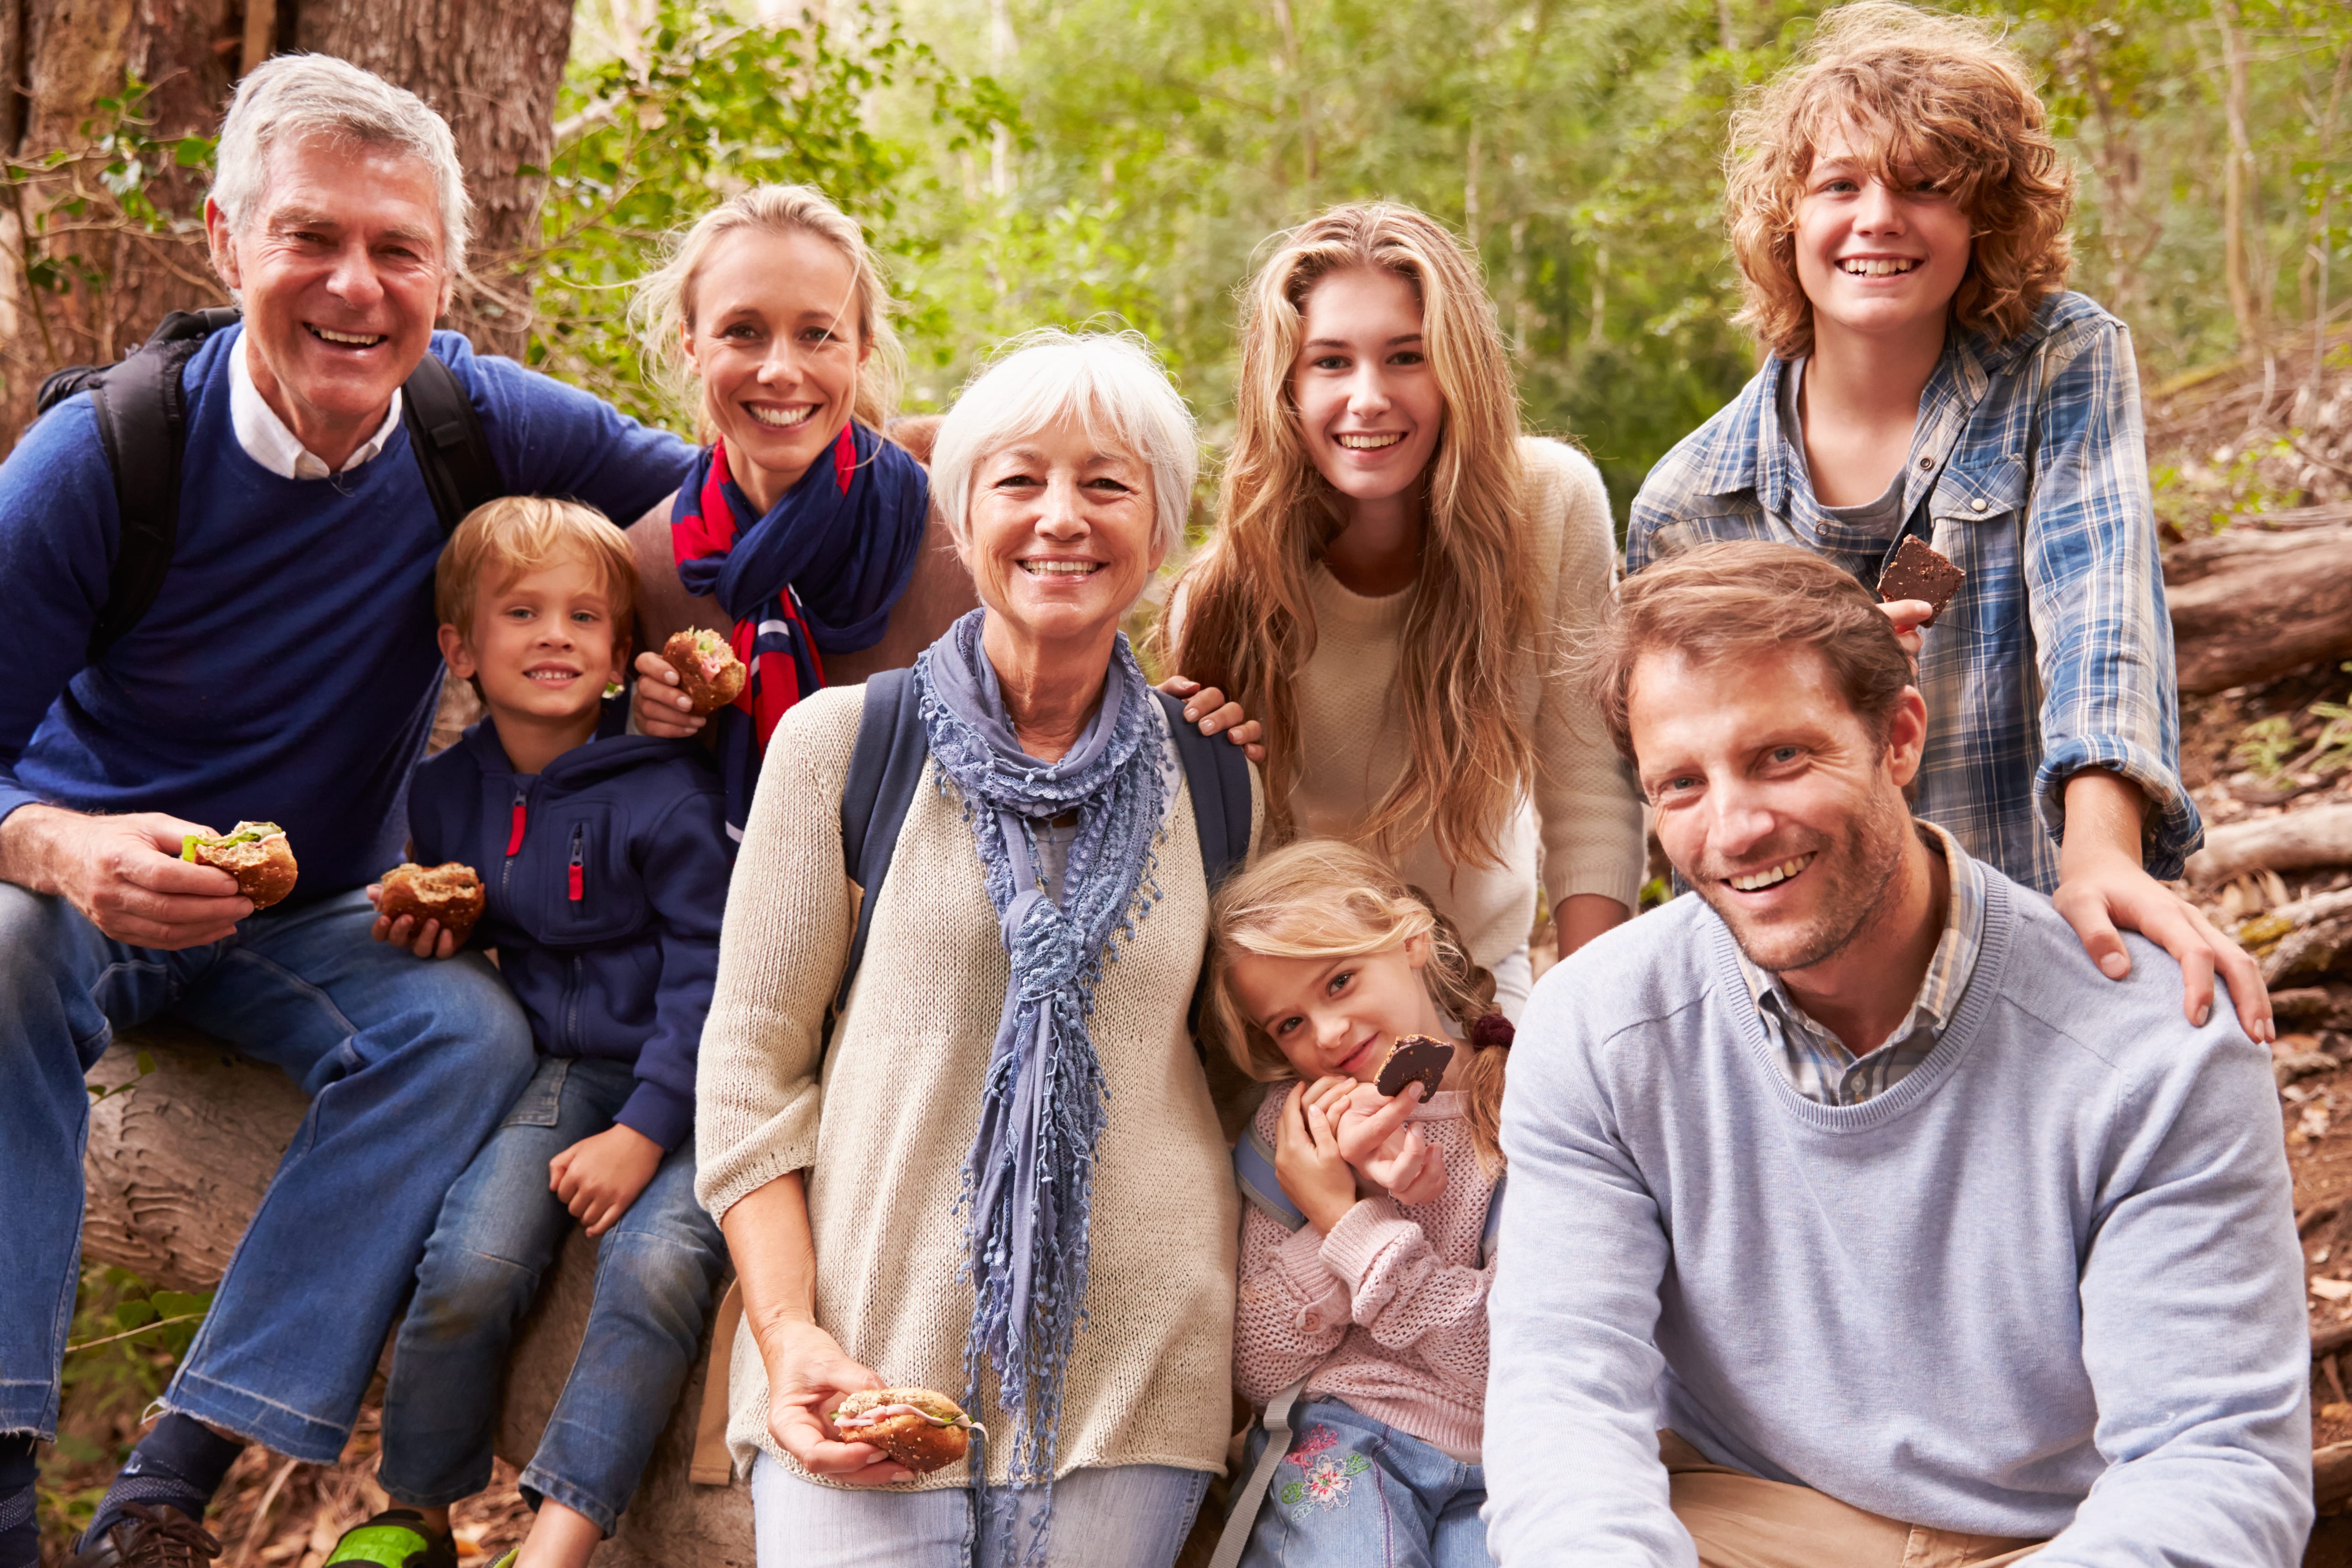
pixel 2029 471
pixel 1817 1062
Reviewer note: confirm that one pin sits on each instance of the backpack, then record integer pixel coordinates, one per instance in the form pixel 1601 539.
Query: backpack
pixel 887 759
pixel 142 422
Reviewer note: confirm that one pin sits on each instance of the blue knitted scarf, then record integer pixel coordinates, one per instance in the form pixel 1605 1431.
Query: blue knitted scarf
pixel 1027 1183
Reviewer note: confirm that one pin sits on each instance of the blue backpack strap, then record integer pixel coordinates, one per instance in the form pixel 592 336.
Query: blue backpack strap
pixel 1254 1174
pixel 1219 775
pixel 1494 1226
pixel 884 765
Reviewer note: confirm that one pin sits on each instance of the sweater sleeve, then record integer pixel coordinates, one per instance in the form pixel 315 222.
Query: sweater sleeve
pixel 1410 1299
pixel 1290 1310
pixel 1572 1319
pixel 58 528
pixel 786 937
pixel 1591 818
pixel 684 863
pixel 2193 1326
pixel 557 440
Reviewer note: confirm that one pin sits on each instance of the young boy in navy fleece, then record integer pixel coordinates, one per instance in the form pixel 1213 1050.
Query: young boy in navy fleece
pixel 605 858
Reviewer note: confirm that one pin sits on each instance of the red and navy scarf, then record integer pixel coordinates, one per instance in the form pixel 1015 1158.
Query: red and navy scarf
pixel 820 573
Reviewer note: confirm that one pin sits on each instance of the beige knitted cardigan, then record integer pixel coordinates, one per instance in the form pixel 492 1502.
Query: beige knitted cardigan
pixel 884 1130
pixel 1351 727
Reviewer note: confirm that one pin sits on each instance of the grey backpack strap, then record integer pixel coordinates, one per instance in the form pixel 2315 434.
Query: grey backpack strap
pixel 884 765
pixel 1243 1516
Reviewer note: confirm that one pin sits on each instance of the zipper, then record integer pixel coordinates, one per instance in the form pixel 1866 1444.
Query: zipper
pixel 514 839
pixel 579 877
pixel 572 1003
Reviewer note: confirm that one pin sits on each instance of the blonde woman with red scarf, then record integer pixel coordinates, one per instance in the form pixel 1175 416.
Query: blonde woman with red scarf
pixel 1397 579
pixel 805 534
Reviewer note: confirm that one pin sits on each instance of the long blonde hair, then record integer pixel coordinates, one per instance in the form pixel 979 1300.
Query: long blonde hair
pixel 663 308
pixel 1246 624
pixel 1323 898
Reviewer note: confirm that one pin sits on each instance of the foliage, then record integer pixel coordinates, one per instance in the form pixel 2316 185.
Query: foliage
pixel 126 1337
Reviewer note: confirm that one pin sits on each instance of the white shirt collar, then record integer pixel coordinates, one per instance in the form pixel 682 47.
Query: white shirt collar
pixel 267 441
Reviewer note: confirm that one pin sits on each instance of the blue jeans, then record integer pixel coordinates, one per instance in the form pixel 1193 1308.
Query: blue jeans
pixel 406 1063
pixel 1354 1492
pixel 1126 1516
pixel 656 1271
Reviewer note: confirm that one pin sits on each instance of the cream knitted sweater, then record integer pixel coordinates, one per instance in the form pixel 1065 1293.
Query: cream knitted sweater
pixel 1352 725
pixel 882 1125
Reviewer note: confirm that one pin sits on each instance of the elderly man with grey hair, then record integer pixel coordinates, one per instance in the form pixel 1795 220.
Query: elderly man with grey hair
pixel 286 669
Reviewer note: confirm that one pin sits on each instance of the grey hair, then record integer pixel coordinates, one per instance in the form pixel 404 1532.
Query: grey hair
pixel 1111 381
pixel 319 95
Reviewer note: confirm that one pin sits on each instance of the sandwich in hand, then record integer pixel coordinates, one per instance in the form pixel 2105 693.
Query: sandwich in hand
pixel 450 893
pixel 255 853
pixel 921 1429
pixel 708 670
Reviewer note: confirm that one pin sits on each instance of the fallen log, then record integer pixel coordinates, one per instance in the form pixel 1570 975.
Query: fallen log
pixel 2250 605
pixel 2293 841
pixel 178 1159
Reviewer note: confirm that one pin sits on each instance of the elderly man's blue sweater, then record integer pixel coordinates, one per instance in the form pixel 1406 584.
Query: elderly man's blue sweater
pixel 2048 1285
pixel 288 671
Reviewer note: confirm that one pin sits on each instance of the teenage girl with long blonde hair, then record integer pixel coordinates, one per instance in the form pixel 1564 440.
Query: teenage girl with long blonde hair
pixel 1364 1284
pixel 1396 581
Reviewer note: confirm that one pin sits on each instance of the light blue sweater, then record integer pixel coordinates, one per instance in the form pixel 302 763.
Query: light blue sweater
pixel 2048 1285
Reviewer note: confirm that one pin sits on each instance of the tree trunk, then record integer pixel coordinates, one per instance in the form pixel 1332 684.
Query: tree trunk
pixel 88 287
pixel 178 1161
pixel 2251 605
pixel 2293 841
pixel 492 70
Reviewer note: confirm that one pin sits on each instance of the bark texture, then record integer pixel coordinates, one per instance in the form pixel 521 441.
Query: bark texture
pixel 2296 841
pixel 2248 606
pixel 178 1161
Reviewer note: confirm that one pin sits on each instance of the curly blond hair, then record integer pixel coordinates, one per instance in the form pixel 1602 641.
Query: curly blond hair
pixel 1944 99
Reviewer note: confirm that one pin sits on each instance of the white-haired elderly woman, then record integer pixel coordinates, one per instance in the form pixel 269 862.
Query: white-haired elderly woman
pixel 1003 1179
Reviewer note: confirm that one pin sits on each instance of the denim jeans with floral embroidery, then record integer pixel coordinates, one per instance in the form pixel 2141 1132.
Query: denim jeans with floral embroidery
pixel 1353 1493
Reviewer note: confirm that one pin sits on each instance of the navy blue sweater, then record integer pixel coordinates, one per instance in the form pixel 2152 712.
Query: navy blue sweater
pixel 288 671
pixel 607 877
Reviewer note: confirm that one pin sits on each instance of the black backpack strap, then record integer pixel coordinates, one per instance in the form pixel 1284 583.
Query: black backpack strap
pixel 445 431
pixel 142 422
pixel 884 765
pixel 1219 775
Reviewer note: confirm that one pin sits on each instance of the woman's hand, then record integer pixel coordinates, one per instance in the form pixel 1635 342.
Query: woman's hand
pixel 1306 1160
pixel 662 711
pixel 1207 707
pixel 600 1176
pixel 425 938
pixel 809 1375
pixel 1909 616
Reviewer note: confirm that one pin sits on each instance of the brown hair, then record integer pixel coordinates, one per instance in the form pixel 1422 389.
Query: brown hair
pixel 502 539
pixel 1946 100
pixel 1324 898
pixel 1717 599
pixel 1245 623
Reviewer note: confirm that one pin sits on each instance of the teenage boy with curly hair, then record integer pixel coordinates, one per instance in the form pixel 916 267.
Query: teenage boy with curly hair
pixel 1899 213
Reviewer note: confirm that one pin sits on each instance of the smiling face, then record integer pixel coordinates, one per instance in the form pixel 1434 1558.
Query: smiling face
pixel 1368 402
pixel 1876 261
pixel 341 271
pixel 1336 1015
pixel 772 332
pixel 1774 800
pixel 1061 535
pixel 543 644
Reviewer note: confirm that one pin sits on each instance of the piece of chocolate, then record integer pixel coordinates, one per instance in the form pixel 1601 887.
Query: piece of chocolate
pixel 1415 1058
pixel 1917 572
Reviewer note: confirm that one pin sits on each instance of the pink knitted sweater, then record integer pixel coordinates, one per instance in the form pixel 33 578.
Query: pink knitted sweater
pixel 1388 1311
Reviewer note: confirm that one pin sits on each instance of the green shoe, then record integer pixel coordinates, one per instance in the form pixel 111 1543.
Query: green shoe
pixel 395 1538
pixel 508 1561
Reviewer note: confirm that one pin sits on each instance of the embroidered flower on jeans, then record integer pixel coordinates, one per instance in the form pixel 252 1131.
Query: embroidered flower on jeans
pixel 1326 1482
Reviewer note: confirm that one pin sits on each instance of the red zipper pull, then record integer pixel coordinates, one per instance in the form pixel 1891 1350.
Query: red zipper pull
pixel 578 890
pixel 514 838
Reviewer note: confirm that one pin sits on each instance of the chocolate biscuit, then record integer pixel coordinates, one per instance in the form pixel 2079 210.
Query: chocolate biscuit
pixel 1917 572
pixel 1415 1058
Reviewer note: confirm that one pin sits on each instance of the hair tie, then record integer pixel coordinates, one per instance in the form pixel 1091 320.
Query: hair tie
pixel 1493 1029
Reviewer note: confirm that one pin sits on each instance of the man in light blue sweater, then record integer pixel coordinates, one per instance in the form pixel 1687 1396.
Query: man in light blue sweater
pixel 1850 1189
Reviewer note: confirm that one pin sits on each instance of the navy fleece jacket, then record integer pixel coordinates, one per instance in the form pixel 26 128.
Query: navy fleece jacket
pixel 288 671
pixel 607 877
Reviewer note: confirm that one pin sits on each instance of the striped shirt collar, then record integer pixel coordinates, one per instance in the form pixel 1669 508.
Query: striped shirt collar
pixel 267 439
pixel 1818 1063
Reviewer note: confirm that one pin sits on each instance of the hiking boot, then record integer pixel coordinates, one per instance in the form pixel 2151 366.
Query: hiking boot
pixel 149 1536
pixel 396 1537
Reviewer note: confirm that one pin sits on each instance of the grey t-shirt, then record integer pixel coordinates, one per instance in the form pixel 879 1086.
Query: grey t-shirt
pixel 1883 517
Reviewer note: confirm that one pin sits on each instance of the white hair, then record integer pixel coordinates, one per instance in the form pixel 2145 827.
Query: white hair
pixel 319 95
pixel 1112 383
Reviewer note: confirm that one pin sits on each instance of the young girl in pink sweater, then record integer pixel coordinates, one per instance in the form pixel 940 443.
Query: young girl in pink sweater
pixel 1364 1280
